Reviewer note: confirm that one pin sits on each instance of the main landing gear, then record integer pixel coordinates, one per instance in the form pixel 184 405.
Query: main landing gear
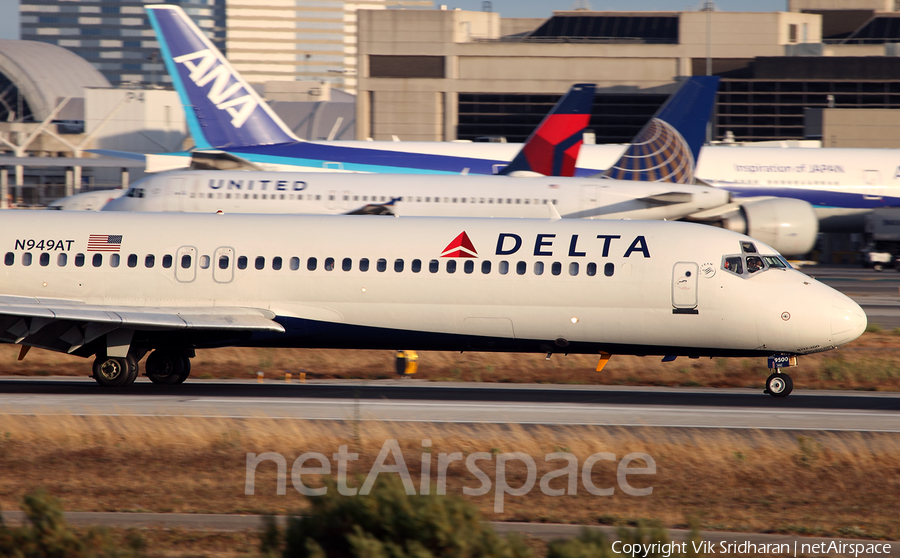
pixel 168 367
pixel 165 367
pixel 115 371
pixel 779 384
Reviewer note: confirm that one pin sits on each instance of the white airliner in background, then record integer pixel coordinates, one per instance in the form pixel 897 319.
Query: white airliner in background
pixel 86 201
pixel 119 285
pixel 412 195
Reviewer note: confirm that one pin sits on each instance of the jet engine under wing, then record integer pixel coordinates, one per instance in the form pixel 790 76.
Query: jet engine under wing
pixel 66 325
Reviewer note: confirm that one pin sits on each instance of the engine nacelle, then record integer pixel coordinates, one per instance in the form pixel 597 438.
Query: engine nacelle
pixel 788 225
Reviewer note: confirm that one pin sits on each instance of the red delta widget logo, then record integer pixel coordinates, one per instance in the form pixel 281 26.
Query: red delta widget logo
pixel 460 247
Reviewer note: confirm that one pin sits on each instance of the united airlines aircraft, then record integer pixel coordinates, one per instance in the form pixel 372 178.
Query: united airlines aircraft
pixel 410 195
pixel 119 286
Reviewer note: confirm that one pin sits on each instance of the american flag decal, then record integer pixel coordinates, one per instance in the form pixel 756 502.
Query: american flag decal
pixel 104 242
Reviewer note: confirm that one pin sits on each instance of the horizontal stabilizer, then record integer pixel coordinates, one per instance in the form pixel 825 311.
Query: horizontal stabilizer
pixel 119 154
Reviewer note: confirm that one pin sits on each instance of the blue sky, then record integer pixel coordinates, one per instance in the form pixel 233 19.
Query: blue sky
pixel 9 9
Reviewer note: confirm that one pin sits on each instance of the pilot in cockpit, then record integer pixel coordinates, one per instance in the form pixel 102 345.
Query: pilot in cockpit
pixel 754 264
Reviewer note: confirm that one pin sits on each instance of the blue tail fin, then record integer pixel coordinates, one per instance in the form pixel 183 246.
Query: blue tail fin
pixel 227 112
pixel 667 148
pixel 552 148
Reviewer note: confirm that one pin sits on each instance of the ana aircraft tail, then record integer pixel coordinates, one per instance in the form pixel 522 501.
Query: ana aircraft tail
pixel 552 148
pixel 666 149
pixel 227 112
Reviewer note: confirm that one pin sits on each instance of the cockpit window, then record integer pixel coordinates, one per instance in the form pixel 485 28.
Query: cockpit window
pixel 775 261
pixel 754 264
pixel 734 264
pixel 748 248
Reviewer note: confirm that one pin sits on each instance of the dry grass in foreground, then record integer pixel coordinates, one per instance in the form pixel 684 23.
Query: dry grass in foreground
pixel 870 363
pixel 843 485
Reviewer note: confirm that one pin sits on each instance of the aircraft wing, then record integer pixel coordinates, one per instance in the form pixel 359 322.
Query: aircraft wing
pixel 668 198
pixel 67 325
pixel 376 208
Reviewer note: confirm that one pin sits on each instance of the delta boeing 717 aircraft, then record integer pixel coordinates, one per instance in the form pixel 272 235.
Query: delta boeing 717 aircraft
pixel 118 286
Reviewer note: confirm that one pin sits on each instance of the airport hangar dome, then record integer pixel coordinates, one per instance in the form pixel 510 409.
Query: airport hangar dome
pixel 45 74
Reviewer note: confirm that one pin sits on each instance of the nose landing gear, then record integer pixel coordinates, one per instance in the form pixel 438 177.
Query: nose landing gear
pixel 779 384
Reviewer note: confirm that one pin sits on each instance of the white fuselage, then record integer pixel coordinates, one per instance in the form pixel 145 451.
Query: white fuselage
pixel 624 287
pixel 412 195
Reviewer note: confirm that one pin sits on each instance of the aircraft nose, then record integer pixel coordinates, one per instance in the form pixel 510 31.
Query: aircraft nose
pixel 848 320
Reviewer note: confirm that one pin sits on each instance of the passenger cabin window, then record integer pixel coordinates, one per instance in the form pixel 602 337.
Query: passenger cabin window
pixel 26 259
pixel 538 268
pixel 329 264
pixel 416 266
pixel 433 266
pixel 132 260
pixel 346 264
pixel 521 268
pixel 260 262
pixel 186 261
pixel 167 261
pixel 381 264
pixel 79 260
pixel 311 264
pixel 113 260
pixel 45 259
pixel 469 266
pixel 556 268
pixel 591 269
pixel 398 265
pixel 295 263
pixel 62 260
pixel 451 266
pixel 204 262
pixel 573 268
pixel 276 263
pixel 609 269
pixel 364 264
pixel 503 268
pixel 9 259
pixel 223 262
pixel 242 262
pixel 97 260
pixel 486 267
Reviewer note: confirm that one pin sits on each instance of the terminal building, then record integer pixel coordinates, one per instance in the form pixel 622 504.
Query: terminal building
pixel 442 75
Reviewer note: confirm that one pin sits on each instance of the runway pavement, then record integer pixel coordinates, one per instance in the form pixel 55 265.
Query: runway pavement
pixel 451 402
